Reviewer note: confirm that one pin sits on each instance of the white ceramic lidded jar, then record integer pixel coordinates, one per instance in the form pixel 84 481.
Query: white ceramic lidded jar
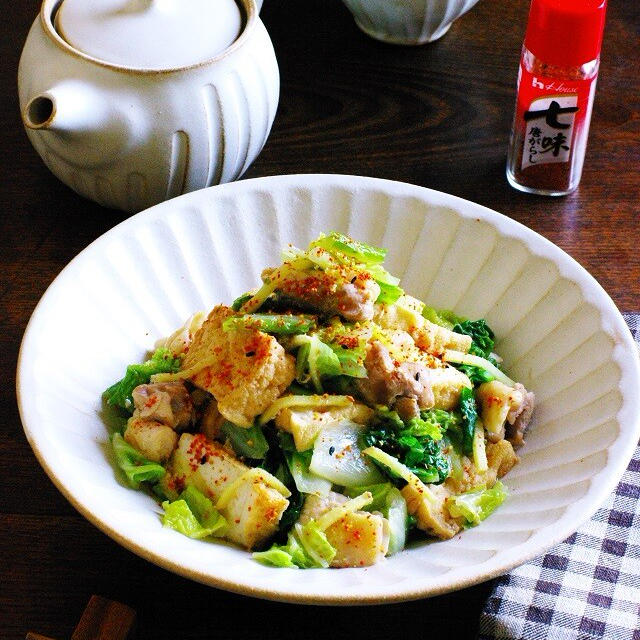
pixel 409 22
pixel 132 102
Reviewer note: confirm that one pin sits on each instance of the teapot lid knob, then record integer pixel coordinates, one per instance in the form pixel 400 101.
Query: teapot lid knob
pixel 150 34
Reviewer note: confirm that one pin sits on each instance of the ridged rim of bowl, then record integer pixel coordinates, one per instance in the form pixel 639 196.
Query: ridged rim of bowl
pixel 627 359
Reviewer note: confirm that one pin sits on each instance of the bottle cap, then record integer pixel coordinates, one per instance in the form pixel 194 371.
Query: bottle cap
pixel 565 33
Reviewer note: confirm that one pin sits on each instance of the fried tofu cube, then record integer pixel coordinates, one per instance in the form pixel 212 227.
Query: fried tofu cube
pixel 255 508
pixel 501 458
pixel 360 538
pixel 154 440
pixel 429 508
pixel 253 514
pixel 469 477
pixel 496 401
pixel 446 384
pixel 245 370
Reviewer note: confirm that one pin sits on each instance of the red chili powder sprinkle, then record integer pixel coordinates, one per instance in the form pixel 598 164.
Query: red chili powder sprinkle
pixel 199 448
pixel 347 342
pixel 270 514
pixel 309 287
pixel 259 345
pixel 205 377
pixel 223 374
pixel 151 401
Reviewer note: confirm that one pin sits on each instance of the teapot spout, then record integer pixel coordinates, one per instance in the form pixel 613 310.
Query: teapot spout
pixel 39 112
pixel 69 107
pixel 80 123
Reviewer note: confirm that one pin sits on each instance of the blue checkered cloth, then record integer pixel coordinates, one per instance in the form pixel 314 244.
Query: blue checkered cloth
pixel 586 587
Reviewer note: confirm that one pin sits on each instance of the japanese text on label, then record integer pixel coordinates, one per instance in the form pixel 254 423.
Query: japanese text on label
pixel 549 130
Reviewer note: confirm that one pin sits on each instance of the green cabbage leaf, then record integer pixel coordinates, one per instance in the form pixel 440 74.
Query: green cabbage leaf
pixel 119 394
pixel 136 467
pixel 194 515
pixel 476 505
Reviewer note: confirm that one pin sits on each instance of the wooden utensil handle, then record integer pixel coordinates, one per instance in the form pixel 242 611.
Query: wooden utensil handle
pixel 105 620
pixel 102 619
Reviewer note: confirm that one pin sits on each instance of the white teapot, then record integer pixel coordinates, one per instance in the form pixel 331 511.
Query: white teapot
pixel 131 102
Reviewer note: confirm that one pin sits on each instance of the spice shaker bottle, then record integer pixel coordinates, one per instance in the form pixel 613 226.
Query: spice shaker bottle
pixel 556 86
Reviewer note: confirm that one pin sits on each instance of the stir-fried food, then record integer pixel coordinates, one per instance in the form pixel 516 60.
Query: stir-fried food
pixel 325 417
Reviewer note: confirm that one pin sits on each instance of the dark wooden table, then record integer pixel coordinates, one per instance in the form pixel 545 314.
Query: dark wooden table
pixel 438 116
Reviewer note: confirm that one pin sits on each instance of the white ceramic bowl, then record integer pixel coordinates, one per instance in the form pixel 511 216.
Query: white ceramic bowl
pixel 558 331
pixel 407 21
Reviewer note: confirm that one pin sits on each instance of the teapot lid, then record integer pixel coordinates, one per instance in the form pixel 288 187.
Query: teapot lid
pixel 153 34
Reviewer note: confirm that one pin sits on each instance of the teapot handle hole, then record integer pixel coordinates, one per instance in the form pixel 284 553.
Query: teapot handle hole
pixel 39 112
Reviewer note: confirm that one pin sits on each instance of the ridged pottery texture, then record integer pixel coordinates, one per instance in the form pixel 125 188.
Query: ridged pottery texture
pixel 559 333
pixel 407 21
pixel 130 138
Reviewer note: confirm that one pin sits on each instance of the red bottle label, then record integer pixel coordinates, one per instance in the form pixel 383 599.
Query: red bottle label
pixel 550 111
